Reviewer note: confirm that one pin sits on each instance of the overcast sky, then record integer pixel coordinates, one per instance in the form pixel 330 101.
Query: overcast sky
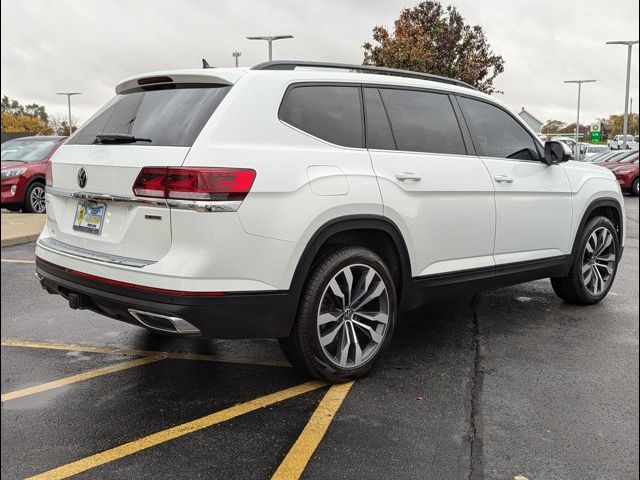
pixel 90 45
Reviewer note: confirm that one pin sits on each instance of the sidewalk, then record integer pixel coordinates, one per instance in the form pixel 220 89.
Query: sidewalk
pixel 20 228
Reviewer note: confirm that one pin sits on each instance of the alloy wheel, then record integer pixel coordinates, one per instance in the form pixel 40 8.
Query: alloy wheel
pixel 599 261
pixel 353 316
pixel 37 199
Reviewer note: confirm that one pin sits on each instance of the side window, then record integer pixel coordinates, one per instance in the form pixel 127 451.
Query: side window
pixel 332 113
pixel 495 133
pixel 423 121
pixel 378 129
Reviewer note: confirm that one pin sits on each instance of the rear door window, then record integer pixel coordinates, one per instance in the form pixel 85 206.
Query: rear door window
pixel 329 112
pixel 423 121
pixel 168 117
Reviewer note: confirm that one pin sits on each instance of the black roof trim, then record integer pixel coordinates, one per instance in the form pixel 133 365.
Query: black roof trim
pixel 292 64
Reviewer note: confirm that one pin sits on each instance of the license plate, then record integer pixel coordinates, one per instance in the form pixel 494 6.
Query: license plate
pixel 89 217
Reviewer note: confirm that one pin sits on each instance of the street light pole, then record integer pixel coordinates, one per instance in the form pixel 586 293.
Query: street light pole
pixel 579 82
pixel 270 39
pixel 69 94
pixel 236 54
pixel 625 122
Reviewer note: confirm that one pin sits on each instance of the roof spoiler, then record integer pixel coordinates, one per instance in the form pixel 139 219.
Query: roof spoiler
pixel 158 79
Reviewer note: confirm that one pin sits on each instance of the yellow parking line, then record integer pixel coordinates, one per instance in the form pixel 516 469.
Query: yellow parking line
pixel 11 260
pixel 8 342
pixel 298 457
pixel 80 377
pixel 175 432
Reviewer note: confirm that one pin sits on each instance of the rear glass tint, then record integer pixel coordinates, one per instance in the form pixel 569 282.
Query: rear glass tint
pixel 171 117
pixel 332 113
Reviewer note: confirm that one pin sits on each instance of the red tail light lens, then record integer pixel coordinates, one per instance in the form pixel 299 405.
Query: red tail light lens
pixel 211 184
pixel 150 183
pixel 48 173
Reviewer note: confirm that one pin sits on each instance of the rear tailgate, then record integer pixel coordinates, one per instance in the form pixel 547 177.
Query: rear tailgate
pixel 91 204
pixel 132 229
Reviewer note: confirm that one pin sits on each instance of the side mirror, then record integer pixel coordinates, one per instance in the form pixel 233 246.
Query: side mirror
pixel 555 152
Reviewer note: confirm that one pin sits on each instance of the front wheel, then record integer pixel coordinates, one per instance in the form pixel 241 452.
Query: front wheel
pixel 34 201
pixel 635 188
pixel 346 316
pixel 594 266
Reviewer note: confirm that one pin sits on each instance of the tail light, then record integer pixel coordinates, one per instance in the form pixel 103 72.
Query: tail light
pixel 48 173
pixel 189 183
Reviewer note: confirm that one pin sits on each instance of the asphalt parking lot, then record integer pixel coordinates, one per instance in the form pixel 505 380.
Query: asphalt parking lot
pixel 504 384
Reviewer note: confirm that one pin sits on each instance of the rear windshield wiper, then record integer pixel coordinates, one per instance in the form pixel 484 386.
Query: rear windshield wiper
pixel 108 138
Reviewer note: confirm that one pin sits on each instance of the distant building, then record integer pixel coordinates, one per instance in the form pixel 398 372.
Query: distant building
pixel 530 120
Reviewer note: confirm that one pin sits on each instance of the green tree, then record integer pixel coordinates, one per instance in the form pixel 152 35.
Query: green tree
pixel 434 39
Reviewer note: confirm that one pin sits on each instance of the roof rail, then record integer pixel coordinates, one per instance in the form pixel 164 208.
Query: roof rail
pixel 292 64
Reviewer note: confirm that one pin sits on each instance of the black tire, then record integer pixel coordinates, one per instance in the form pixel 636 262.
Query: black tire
pixel 34 199
pixel 572 288
pixel 302 347
pixel 635 188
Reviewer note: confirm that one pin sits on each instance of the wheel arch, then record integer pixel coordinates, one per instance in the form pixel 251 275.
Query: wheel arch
pixel 362 230
pixel 608 207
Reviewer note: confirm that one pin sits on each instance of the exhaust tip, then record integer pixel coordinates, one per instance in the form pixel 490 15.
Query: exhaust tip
pixel 164 323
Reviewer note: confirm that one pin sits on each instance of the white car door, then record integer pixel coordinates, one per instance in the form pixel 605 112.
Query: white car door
pixel 533 200
pixel 438 195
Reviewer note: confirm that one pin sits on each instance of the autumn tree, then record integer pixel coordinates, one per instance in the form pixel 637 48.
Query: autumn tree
pixel 24 118
pixel 613 124
pixel 433 39
pixel 60 125
pixel 553 126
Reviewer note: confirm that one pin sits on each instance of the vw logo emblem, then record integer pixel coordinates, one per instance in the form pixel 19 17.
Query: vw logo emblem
pixel 82 178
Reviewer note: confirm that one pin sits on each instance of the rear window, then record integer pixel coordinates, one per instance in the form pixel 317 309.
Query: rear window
pixel 171 117
pixel 332 113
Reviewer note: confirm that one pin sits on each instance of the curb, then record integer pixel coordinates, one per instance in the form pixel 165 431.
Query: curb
pixel 19 240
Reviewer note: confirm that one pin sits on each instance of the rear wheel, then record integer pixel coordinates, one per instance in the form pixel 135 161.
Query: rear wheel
pixel 34 201
pixel 635 188
pixel 594 266
pixel 346 316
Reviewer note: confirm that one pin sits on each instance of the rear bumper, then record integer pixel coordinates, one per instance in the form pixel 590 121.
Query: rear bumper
pixel 227 315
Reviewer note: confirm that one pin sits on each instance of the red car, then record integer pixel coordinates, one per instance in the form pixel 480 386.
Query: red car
pixel 627 175
pixel 24 163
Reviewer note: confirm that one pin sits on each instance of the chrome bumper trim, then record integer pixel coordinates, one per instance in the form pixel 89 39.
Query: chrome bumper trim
pixel 195 205
pixel 58 247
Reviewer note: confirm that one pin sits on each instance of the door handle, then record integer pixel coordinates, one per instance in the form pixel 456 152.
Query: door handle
pixel 503 178
pixel 404 176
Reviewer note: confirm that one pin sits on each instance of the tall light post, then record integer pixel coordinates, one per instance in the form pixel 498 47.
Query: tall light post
pixel 579 82
pixel 625 122
pixel 270 39
pixel 236 54
pixel 69 95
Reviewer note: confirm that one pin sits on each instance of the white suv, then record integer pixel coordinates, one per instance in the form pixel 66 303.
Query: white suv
pixel 314 205
pixel 618 141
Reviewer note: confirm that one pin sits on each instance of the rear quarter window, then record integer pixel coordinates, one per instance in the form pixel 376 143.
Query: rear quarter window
pixel 330 112
pixel 171 117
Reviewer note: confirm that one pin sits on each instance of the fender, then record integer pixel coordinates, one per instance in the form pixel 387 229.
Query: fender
pixel 345 224
pixel 601 202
